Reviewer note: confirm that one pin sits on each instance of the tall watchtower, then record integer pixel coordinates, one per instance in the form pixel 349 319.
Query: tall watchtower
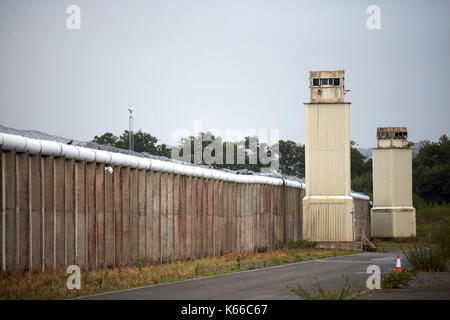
pixel 392 214
pixel 327 206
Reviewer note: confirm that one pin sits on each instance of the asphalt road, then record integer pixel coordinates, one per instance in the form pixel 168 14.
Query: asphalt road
pixel 264 283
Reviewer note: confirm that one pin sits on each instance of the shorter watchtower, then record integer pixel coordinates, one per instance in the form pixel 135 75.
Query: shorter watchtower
pixel 392 215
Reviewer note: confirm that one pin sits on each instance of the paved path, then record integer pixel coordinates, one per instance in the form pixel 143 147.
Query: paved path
pixel 262 283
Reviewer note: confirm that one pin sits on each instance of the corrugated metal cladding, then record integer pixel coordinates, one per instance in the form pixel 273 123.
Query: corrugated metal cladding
pixel 326 215
pixel 392 177
pixel 393 222
pixel 327 149
pixel 57 211
pixel 405 223
pixel 328 222
pixel 362 219
pixel 382 224
pixel 392 214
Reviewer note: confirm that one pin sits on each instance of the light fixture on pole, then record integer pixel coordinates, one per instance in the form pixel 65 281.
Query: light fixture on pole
pixel 130 131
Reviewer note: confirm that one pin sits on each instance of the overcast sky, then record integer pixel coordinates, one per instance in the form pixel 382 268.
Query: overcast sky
pixel 230 64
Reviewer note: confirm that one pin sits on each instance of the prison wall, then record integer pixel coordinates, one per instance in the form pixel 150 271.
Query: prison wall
pixel 60 208
pixel 57 212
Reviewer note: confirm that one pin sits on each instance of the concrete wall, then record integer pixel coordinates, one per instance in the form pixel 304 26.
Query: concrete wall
pixel 56 212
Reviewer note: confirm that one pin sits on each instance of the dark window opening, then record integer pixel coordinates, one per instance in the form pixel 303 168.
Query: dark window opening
pixel 383 135
pixel 326 82
pixel 401 135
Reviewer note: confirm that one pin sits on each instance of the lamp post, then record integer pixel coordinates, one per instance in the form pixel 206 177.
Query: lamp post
pixel 130 131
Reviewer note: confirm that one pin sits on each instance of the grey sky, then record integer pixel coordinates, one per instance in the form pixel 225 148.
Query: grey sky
pixel 230 64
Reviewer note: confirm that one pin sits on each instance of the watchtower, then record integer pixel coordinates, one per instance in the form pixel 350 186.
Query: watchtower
pixel 327 206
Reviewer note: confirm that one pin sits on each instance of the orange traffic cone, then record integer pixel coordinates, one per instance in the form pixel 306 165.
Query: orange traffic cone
pixel 398 265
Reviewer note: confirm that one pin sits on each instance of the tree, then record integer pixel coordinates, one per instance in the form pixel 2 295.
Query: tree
pixel 361 171
pixel 431 171
pixel 107 139
pixel 292 158
pixel 143 142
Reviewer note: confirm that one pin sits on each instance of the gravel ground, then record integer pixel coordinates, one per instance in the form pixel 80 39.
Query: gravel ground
pixel 424 286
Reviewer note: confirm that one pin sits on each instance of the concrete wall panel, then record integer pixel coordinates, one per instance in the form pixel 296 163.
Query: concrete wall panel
pixel 156 217
pixel 109 219
pixel 49 213
pixel 60 227
pixel 36 204
pixel 141 223
pixel 134 214
pixel 80 213
pixel 118 214
pixel 10 236
pixel 126 244
pixel 69 212
pixel 100 213
pixel 90 211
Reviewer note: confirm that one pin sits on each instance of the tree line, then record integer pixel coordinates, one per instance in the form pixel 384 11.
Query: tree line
pixel 431 167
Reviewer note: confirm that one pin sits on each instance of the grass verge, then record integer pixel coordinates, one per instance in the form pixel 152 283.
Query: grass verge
pixel 52 285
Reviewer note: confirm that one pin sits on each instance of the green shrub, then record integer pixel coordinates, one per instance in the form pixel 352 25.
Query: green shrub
pixel 345 291
pixel 396 280
pixel 418 202
pixel 426 258
pixel 300 244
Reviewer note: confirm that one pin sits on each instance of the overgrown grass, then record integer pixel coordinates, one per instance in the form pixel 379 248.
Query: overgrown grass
pixel 395 244
pixel 426 258
pixel 300 244
pixel 396 280
pixel 432 227
pixel 442 240
pixel 431 220
pixel 52 285
pixel 344 291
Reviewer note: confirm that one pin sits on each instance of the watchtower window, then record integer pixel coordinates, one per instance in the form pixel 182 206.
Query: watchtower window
pixel 326 82
pixel 400 135
pixel 383 135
